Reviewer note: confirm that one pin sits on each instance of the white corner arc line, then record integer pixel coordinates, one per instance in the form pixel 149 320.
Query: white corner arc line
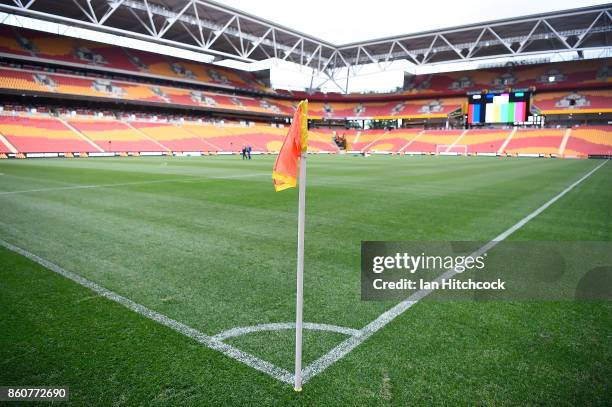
pixel 278 326
pixel 382 320
pixel 208 341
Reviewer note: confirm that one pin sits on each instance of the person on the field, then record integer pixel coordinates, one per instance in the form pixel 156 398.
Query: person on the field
pixel 248 150
pixel 244 152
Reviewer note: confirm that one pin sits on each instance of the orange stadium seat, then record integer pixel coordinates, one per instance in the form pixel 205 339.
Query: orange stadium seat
pixel 62 49
pixel 589 140
pixel 423 108
pixel 223 138
pixel 173 136
pixel 536 141
pixel 151 63
pixel 10 44
pixel 484 140
pixel 428 140
pixel 394 140
pixel 581 101
pixel 115 136
pixel 321 140
pixel 75 85
pixel 264 137
pixel 550 76
pixel 365 138
pixel 41 135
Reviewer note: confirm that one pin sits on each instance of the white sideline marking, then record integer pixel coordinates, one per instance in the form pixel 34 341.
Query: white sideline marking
pixel 230 333
pixel 209 341
pixel 161 181
pixel 351 343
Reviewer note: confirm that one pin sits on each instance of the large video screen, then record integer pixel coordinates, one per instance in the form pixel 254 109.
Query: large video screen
pixel 507 107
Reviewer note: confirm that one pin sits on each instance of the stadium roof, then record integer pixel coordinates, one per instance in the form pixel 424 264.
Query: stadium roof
pixel 213 28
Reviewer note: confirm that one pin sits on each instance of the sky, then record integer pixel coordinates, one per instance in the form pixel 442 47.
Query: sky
pixel 345 21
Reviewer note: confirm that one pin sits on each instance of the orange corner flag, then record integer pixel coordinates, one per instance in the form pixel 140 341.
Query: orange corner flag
pixel 285 171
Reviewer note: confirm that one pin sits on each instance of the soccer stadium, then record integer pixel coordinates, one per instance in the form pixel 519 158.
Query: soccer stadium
pixel 203 205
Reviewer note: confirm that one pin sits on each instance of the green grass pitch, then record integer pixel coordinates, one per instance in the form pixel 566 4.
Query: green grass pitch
pixel 207 242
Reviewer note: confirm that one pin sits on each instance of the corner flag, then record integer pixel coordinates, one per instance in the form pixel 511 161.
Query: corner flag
pixel 285 169
pixel 292 153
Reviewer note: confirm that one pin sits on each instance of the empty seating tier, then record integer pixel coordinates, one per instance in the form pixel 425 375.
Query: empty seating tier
pixel 41 135
pixel 429 140
pixel 580 101
pixel 44 82
pixel 115 136
pixel 592 140
pixel 174 137
pixel 535 141
pixel 394 140
pixel 64 50
pixel 488 141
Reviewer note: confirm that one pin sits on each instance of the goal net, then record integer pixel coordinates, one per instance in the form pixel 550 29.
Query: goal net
pixel 449 149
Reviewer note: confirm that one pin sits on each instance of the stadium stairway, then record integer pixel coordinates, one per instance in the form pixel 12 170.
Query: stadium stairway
pixel 144 134
pixel 566 137
pixel 321 139
pixel 502 148
pixel 375 140
pixel 221 137
pixel 430 139
pixel 78 133
pixel 174 137
pixel 6 146
pixel 412 140
pixel 41 135
pixel 351 140
pixel 114 136
pixel 393 140
pixel 484 141
pixel 366 138
pixel 450 147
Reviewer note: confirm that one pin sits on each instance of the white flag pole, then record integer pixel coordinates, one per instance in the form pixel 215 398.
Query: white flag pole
pixel 300 274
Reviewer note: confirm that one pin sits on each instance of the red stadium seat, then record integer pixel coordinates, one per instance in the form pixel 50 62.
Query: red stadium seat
pixel 41 135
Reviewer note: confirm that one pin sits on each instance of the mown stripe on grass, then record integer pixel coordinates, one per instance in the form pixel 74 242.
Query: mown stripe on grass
pixel 123 184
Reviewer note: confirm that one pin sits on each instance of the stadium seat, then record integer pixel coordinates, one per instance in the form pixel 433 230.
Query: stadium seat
pixel 428 140
pixel 365 138
pixel 549 76
pixel 535 141
pixel 394 140
pixel 115 136
pixel 173 136
pixel 61 49
pixel 589 140
pixel 41 135
pixel 580 101
pixel 487 141
pixel 223 138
